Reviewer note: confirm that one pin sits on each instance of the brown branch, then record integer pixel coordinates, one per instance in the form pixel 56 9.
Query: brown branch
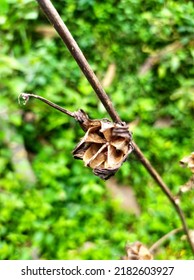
pixel 165 189
pixel 159 242
pixel 25 97
pixel 74 49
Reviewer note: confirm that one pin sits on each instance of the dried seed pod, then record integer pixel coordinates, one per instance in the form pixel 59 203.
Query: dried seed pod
pixel 105 145
pixel 137 251
pixel 188 161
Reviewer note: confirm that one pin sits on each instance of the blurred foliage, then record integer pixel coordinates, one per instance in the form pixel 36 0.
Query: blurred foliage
pixel 64 211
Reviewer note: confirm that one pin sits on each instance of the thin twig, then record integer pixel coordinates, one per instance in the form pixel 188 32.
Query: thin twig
pixel 25 97
pixel 69 41
pixel 159 242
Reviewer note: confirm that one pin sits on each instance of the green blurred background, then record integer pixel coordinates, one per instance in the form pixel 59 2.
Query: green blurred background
pixel 51 206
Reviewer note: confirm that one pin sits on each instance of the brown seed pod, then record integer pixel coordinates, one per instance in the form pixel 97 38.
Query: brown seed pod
pixel 137 251
pixel 105 145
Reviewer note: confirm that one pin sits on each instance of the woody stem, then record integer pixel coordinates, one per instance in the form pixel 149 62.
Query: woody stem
pixel 74 49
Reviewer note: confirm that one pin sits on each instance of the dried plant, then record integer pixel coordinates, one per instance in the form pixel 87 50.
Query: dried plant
pixel 105 146
pixel 91 152
pixel 137 251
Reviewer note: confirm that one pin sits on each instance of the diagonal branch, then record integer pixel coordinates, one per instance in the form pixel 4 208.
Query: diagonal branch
pixel 159 242
pixel 74 49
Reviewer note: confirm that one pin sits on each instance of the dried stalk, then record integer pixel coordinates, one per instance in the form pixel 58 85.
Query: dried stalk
pixel 74 49
pixel 25 97
pixel 159 242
